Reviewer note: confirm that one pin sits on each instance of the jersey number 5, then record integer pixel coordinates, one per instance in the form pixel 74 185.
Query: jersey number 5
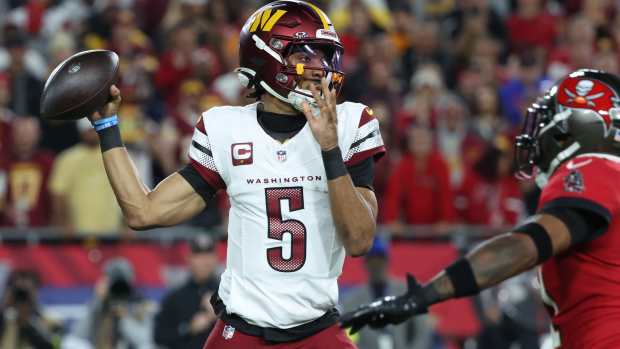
pixel 276 227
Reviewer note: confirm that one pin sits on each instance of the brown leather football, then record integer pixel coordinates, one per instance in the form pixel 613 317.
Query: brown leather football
pixel 79 85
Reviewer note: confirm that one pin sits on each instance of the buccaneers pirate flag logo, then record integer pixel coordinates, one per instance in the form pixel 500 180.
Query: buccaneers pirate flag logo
pixel 580 93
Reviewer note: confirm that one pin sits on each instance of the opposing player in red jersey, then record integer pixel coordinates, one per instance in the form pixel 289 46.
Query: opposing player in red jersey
pixel 571 144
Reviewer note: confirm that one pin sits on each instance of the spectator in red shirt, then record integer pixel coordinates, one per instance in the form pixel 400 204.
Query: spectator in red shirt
pixel 5 117
pixel 27 200
pixel 531 26
pixel 183 60
pixel 575 49
pixel 418 190
pixel 490 194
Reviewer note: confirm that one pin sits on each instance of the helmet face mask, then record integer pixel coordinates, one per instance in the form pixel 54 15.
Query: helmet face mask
pixel 275 33
pixel 318 57
pixel 528 147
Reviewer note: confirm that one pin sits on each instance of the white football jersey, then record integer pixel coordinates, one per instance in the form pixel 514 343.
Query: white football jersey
pixel 284 256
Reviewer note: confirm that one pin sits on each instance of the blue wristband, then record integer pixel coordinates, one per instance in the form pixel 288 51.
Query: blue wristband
pixel 102 124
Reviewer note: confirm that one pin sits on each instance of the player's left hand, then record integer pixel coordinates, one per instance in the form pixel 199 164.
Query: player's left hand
pixel 324 125
pixel 387 310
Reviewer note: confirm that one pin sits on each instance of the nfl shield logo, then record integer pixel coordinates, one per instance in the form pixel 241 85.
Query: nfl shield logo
pixel 281 155
pixel 228 332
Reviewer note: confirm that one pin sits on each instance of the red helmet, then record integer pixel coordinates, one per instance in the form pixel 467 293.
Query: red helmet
pixel 275 31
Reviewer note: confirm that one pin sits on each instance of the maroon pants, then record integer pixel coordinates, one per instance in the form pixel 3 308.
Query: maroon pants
pixel 225 337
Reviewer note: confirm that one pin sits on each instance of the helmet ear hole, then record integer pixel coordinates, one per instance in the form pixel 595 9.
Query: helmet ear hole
pixel 246 76
pixel 245 79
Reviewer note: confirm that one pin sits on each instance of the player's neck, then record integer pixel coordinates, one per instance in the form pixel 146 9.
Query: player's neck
pixel 273 105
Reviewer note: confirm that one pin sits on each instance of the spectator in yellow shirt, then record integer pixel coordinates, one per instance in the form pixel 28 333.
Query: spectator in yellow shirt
pixel 82 199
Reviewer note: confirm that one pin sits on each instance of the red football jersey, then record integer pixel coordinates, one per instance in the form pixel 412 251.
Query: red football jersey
pixel 582 286
pixel 28 201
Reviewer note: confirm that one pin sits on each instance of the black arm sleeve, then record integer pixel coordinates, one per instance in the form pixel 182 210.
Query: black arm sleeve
pixel 363 173
pixel 204 189
pixel 585 220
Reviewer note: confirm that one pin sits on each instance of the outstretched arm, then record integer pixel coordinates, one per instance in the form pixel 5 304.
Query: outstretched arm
pixel 171 202
pixel 549 233
pixel 500 258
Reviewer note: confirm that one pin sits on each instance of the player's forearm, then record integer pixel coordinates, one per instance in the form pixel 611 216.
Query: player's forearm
pixel 353 215
pixel 491 262
pixel 131 193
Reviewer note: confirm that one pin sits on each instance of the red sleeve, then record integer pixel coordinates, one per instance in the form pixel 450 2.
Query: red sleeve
pixel 585 182
pixel 201 157
pixel 367 142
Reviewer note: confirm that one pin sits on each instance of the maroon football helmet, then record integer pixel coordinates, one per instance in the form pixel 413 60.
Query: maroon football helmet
pixel 278 30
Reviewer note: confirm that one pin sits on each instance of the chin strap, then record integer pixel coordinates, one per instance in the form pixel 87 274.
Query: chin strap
pixel 542 178
pixel 296 98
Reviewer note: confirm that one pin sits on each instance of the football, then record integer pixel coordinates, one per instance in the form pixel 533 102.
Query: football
pixel 79 85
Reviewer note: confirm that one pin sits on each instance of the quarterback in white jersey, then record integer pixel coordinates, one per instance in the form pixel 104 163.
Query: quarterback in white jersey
pixel 298 170
pixel 284 256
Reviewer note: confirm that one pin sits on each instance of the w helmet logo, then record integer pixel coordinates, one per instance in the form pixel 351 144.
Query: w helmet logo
pixel 265 20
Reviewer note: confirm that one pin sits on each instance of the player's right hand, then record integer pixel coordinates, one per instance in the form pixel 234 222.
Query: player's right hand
pixel 387 310
pixel 110 108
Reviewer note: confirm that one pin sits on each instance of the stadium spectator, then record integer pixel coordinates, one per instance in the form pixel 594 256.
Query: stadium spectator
pixel 416 333
pixel 531 27
pixel 421 104
pixel 426 49
pixel 25 68
pixel 186 317
pixel 118 316
pixel 490 194
pixel 28 170
pixel 80 189
pixel 487 117
pixel 418 190
pixel 184 59
pixel 525 80
pixel 21 324
pixel 574 48
pixel 457 142
pixel 6 115
pixel 474 19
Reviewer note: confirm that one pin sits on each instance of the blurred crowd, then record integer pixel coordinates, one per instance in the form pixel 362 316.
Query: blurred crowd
pixel 449 81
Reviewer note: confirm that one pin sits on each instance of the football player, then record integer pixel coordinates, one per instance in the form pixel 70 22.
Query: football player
pixel 298 170
pixel 571 144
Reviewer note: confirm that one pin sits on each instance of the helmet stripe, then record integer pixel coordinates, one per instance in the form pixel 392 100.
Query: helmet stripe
pixel 255 23
pixel 264 17
pixel 322 15
pixel 273 20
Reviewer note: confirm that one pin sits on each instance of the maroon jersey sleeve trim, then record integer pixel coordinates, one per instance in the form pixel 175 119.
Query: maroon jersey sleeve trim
pixel 200 125
pixel 377 153
pixel 367 116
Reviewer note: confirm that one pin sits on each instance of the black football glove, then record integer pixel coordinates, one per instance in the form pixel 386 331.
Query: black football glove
pixel 387 310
